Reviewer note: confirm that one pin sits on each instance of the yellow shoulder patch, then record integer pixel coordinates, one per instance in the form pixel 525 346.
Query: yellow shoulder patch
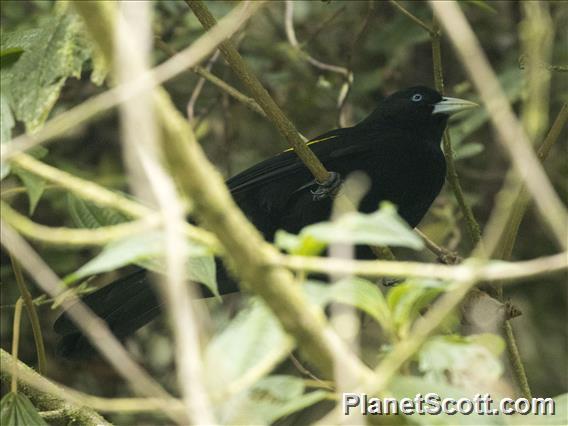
pixel 315 141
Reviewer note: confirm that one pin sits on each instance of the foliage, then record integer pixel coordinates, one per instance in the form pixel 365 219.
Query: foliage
pixel 50 65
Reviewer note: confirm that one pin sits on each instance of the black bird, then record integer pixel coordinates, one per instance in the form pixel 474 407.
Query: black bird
pixel 398 146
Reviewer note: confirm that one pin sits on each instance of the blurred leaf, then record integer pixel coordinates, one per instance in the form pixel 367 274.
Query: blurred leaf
pixel 254 338
pixel 270 399
pixel 298 245
pixel 462 361
pixel 560 416
pixel 384 227
pixel 35 186
pixel 10 56
pixel 409 386
pixel 146 250
pixel 465 124
pixel 17 410
pixel 6 124
pixel 483 5
pixel 51 54
pixel 468 150
pixel 357 292
pixel 407 299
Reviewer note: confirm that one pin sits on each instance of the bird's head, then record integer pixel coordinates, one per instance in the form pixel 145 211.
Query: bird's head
pixel 417 107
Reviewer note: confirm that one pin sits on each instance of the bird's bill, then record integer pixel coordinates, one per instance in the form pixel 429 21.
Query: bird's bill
pixel 450 106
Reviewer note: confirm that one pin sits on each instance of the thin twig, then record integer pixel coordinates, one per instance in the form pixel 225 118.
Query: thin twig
pixel 76 237
pixel 16 342
pixel 32 314
pixel 444 255
pixel 104 197
pixel 55 396
pixel 93 107
pixel 259 93
pixel 151 182
pixel 90 325
pixel 510 132
pixel 198 87
pixel 497 270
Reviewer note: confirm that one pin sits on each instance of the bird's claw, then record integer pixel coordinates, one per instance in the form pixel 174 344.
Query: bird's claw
pixel 329 188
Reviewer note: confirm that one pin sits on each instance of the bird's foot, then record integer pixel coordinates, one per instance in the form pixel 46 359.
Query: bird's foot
pixel 329 188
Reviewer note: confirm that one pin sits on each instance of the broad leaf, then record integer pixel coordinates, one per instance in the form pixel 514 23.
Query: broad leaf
pixel 357 292
pixel 462 361
pixel 407 299
pixel 17 410
pixel 382 228
pixel 268 400
pixel 410 386
pixel 253 338
pixel 51 54
pixel 146 250
pixel 89 215
pixel 35 186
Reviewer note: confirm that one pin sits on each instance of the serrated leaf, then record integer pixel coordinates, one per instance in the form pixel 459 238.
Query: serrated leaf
pixel 268 400
pixel 254 337
pixel 356 292
pixel 17 410
pixel 51 54
pixel 88 215
pixel 35 187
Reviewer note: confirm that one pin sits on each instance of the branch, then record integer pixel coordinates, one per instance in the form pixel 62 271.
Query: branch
pixel 93 107
pixel 76 237
pixel 51 396
pixel 104 197
pixel 482 271
pixel 510 132
pixel 32 314
pixel 259 93
pixel 90 325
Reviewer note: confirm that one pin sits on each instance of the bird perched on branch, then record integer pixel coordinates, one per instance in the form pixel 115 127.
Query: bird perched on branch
pixel 398 146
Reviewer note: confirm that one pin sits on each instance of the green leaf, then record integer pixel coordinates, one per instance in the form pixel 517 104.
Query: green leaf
pixel 146 250
pixel 6 124
pixel 357 292
pixel 35 187
pixel 298 245
pixel 10 56
pixel 560 416
pixel 410 386
pixel 268 400
pixel 468 150
pixel 384 227
pixel 51 54
pixel 407 299
pixel 252 339
pixel 461 361
pixel 17 410
pixel 88 215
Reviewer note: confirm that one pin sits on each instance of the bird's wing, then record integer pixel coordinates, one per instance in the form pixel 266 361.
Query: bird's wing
pixel 283 164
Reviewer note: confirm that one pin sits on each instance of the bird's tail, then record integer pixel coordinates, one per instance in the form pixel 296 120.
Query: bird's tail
pixel 125 305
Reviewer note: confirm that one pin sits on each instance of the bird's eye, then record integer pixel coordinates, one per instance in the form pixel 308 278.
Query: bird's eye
pixel 417 97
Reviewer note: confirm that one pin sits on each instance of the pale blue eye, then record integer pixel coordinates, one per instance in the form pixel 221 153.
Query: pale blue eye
pixel 417 97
